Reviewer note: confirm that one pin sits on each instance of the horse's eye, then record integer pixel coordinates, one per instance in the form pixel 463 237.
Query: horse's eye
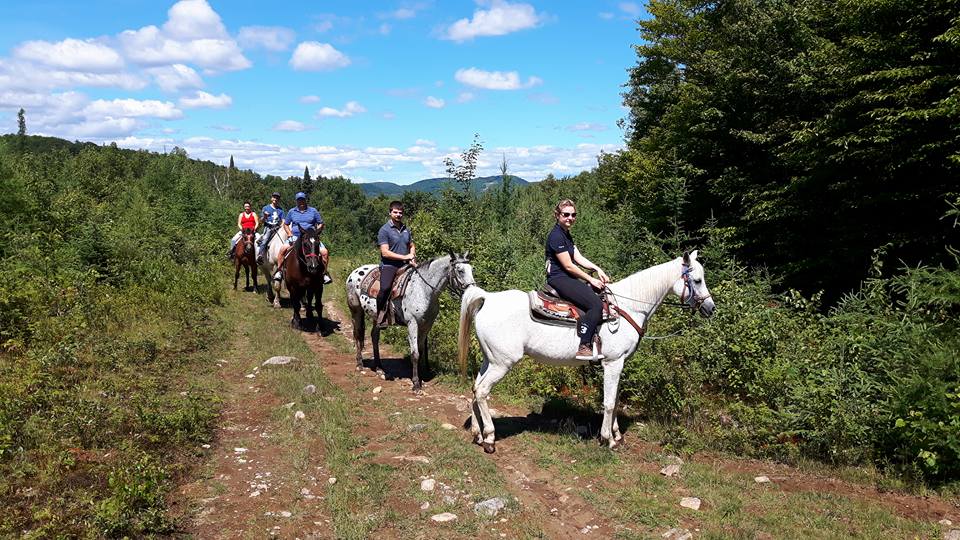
pixel 698 281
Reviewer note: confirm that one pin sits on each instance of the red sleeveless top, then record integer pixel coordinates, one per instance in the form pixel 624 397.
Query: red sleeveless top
pixel 248 221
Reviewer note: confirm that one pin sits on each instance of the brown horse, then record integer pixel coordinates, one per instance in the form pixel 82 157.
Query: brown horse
pixel 303 273
pixel 244 254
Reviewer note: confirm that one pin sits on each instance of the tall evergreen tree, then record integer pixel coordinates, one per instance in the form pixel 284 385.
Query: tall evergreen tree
pixel 21 123
pixel 232 166
pixel 307 184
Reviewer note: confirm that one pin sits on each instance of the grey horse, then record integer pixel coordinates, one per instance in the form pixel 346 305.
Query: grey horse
pixel 418 307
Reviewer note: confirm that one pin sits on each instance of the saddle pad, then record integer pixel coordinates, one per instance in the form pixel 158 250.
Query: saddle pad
pixel 371 283
pixel 549 309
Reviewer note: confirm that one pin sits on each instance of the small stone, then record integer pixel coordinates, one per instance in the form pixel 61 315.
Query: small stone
pixel 419 459
pixel 692 503
pixel 952 534
pixel 309 389
pixel 447 427
pixel 299 415
pixel 255 494
pixel 332 480
pixel 677 534
pixel 425 506
pixel 378 389
pixel 490 507
pixel 204 446
pixel 428 484
pixel 249 375
pixel 304 491
pixel 289 405
pixel 416 427
pixel 286 514
pixel 945 522
pixel 278 360
pixel 563 498
pixel 670 470
pixel 444 517
pixel 239 450
pixel 761 479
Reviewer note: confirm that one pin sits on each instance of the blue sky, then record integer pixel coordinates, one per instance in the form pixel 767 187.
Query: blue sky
pixel 373 91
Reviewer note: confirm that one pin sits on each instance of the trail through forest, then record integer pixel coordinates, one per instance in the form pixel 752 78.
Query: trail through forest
pixel 275 467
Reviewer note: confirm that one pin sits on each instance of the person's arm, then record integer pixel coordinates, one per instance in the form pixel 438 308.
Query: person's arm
pixel 567 262
pixel 286 226
pixel 239 217
pixel 387 254
pixel 584 262
pixel 256 222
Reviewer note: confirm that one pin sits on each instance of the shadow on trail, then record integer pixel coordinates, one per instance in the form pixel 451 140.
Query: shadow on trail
pixel 399 368
pixel 323 325
pixel 558 416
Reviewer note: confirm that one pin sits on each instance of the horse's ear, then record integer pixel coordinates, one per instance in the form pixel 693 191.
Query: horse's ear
pixel 300 228
pixel 686 257
pixel 466 255
pixel 452 256
pixel 693 255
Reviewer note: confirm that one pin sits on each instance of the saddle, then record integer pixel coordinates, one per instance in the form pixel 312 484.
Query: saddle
pixel 547 307
pixel 370 285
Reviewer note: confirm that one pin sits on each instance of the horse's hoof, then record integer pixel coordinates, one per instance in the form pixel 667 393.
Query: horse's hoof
pixel 489 447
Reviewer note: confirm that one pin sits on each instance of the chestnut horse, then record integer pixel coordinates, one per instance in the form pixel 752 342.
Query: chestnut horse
pixel 303 274
pixel 245 255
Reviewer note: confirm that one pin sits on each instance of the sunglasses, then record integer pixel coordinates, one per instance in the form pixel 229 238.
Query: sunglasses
pixel 568 214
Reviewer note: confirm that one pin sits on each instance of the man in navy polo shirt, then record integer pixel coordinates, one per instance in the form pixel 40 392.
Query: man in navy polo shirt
pixel 396 249
pixel 271 217
pixel 307 217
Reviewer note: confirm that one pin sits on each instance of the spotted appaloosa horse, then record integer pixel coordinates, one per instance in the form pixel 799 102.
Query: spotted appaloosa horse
pixel 303 275
pixel 506 333
pixel 245 255
pixel 418 307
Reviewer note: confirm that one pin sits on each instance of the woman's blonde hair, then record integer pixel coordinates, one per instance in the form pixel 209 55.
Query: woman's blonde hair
pixel 562 204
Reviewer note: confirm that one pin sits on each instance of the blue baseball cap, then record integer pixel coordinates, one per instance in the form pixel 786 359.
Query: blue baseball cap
pixel 300 195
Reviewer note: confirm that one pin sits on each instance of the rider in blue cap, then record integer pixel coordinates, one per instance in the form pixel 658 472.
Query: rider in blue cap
pixel 307 217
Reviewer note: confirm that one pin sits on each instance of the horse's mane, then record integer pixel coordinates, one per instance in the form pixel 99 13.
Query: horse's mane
pixel 647 287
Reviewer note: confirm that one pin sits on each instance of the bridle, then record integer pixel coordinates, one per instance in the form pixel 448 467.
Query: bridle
pixel 304 254
pixel 457 286
pixel 693 301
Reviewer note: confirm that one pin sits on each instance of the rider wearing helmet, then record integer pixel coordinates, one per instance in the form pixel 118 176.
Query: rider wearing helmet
pixel 272 219
pixel 307 217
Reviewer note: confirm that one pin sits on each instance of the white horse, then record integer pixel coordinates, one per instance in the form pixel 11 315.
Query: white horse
pixel 269 266
pixel 506 332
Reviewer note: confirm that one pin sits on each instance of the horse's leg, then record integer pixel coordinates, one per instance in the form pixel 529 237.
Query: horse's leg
pixel 413 337
pixel 318 302
pixel 295 295
pixel 377 367
pixel 359 321
pixel 256 288
pixel 236 274
pixel 246 276
pixel 611 382
pixel 481 391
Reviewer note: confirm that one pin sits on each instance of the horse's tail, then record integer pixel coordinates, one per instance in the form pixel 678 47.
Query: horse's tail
pixel 471 303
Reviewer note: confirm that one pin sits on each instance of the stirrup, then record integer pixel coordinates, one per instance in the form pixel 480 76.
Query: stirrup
pixel 327 279
pixel 590 358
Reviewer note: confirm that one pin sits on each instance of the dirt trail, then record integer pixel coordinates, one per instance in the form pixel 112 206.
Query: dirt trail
pixel 250 487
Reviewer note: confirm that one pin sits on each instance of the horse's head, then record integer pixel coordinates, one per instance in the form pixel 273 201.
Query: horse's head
pixel 249 237
pixel 309 246
pixel 692 288
pixel 461 272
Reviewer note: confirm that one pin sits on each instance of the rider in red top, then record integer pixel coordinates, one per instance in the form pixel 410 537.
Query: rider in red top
pixel 246 220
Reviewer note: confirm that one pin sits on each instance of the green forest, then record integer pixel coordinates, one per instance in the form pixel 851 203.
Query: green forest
pixel 808 149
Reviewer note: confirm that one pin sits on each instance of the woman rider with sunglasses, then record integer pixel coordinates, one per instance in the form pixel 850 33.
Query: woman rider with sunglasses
pixel 564 276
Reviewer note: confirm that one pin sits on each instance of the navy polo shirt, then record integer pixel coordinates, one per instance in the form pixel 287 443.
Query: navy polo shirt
pixel 559 240
pixel 397 239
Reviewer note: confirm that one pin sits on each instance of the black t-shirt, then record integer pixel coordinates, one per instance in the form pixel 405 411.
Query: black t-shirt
pixel 559 240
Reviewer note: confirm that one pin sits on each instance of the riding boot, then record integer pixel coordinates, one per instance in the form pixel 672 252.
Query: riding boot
pixel 278 277
pixel 327 279
pixel 382 319
pixel 586 352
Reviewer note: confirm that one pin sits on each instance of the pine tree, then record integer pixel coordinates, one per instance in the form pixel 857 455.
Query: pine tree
pixel 306 185
pixel 21 123
pixel 232 166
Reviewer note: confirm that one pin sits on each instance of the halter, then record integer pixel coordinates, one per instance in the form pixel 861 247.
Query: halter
pixel 456 287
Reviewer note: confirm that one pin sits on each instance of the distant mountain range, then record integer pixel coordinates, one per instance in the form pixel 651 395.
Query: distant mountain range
pixel 434 185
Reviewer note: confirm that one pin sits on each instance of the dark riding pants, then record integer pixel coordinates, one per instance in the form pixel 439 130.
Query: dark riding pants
pixel 582 296
pixel 387 273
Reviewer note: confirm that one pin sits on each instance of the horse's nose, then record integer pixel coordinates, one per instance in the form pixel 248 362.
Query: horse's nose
pixel 707 308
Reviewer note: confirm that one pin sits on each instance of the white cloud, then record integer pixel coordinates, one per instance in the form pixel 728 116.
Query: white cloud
pixel 290 125
pixel 315 56
pixel 502 18
pixel 27 76
pixel 132 108
pixel 494 80
pixel 466 97
pixel 434 103
pixel 310 99
pixel 204 99
pixel 630 8
pixel 175 78
pixel 605 15
pixel 71 54
pixel 271 38
pixel 384 29
pixel 586 126
pixel 193 34
pixel 222 127
pixel 350 109
pixel 193 19
pixel 403 13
